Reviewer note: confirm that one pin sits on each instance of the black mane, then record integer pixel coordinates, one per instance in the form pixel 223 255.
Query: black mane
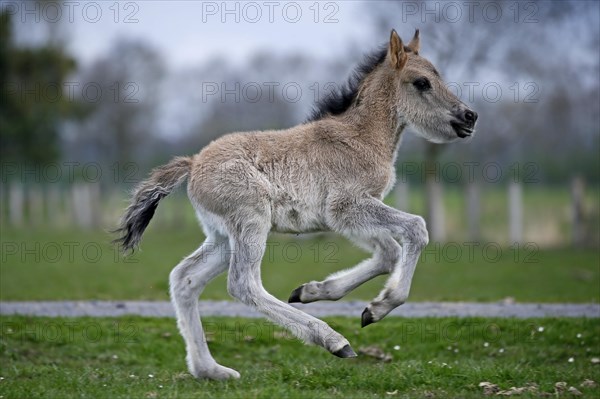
pixel 340 99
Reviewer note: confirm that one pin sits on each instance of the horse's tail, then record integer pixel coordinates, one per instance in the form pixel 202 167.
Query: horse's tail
pixel 146 196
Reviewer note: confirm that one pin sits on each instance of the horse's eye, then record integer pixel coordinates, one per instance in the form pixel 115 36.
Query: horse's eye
pixel 422 84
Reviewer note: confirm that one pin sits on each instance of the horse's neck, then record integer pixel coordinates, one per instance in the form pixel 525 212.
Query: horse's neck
pixel 379 126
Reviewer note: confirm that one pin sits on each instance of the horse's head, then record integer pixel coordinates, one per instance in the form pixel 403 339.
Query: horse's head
pixel 421 97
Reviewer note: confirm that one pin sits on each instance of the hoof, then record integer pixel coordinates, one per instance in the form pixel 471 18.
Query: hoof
pixel 345 352
pixel 295 295
pixel 366 318
pixel 218 372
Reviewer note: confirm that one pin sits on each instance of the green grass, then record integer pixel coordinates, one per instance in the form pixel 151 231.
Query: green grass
pixel 114 358
pixel 39 264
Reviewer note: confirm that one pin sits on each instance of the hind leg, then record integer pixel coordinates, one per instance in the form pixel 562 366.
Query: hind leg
pixel 386 252
pixel 244 283
pixel 187 280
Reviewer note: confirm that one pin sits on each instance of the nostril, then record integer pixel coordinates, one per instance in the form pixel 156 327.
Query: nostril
pixel 470 116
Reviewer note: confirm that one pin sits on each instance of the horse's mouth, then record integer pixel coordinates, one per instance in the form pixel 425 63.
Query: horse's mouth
pixel 462 130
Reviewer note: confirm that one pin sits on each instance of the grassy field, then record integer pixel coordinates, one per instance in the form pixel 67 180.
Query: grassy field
pixel 432 358
pixel 65 264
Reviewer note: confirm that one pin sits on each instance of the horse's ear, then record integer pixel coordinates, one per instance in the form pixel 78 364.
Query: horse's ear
pixel 396 53
pixel 415 43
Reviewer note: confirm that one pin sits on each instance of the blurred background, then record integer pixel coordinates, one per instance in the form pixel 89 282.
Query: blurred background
pixel 95 94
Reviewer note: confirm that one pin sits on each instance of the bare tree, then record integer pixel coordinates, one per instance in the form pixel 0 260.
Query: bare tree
pixel 122 92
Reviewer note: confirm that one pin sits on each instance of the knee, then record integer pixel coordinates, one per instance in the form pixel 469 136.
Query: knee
pixel 239 290
pixel 391 252
pixel 418 235
pixel 234 289
pixel 180 284
pixel 175 277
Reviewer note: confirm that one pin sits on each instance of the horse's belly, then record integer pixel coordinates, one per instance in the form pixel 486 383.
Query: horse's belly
pixel 296 218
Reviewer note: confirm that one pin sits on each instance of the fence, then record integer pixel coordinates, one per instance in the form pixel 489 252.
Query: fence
pixel 512 214
pixel 547 216
pixel 81 205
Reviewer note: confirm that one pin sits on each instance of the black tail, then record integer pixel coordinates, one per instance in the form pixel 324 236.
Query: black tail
pixel 145 199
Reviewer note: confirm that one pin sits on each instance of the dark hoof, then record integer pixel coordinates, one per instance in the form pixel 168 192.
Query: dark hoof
pixel 366 318
pixel 345 352
pixel 295 295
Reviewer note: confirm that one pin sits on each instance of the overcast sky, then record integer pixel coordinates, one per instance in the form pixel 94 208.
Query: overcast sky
pixel 190 32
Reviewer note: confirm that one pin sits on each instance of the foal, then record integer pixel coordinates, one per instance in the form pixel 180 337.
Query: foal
pixel 330 173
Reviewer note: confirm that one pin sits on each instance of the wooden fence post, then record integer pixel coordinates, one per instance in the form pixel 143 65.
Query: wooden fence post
pixel 16 198
pixel 95 201
pixel 401 194
pixel 436 222
pixel 473 210
pixel 3 206
pixel 35 197
pixel 81 205
pixel 515 212
pixel 577 210
pixel 113 205
pixel 54 208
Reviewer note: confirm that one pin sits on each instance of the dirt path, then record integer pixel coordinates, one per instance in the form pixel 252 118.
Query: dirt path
pixel 319 309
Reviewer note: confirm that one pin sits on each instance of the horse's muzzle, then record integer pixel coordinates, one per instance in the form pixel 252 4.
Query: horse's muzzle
pixel 464 124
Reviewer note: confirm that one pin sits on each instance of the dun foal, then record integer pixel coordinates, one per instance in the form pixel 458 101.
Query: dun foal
pixel 328 174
